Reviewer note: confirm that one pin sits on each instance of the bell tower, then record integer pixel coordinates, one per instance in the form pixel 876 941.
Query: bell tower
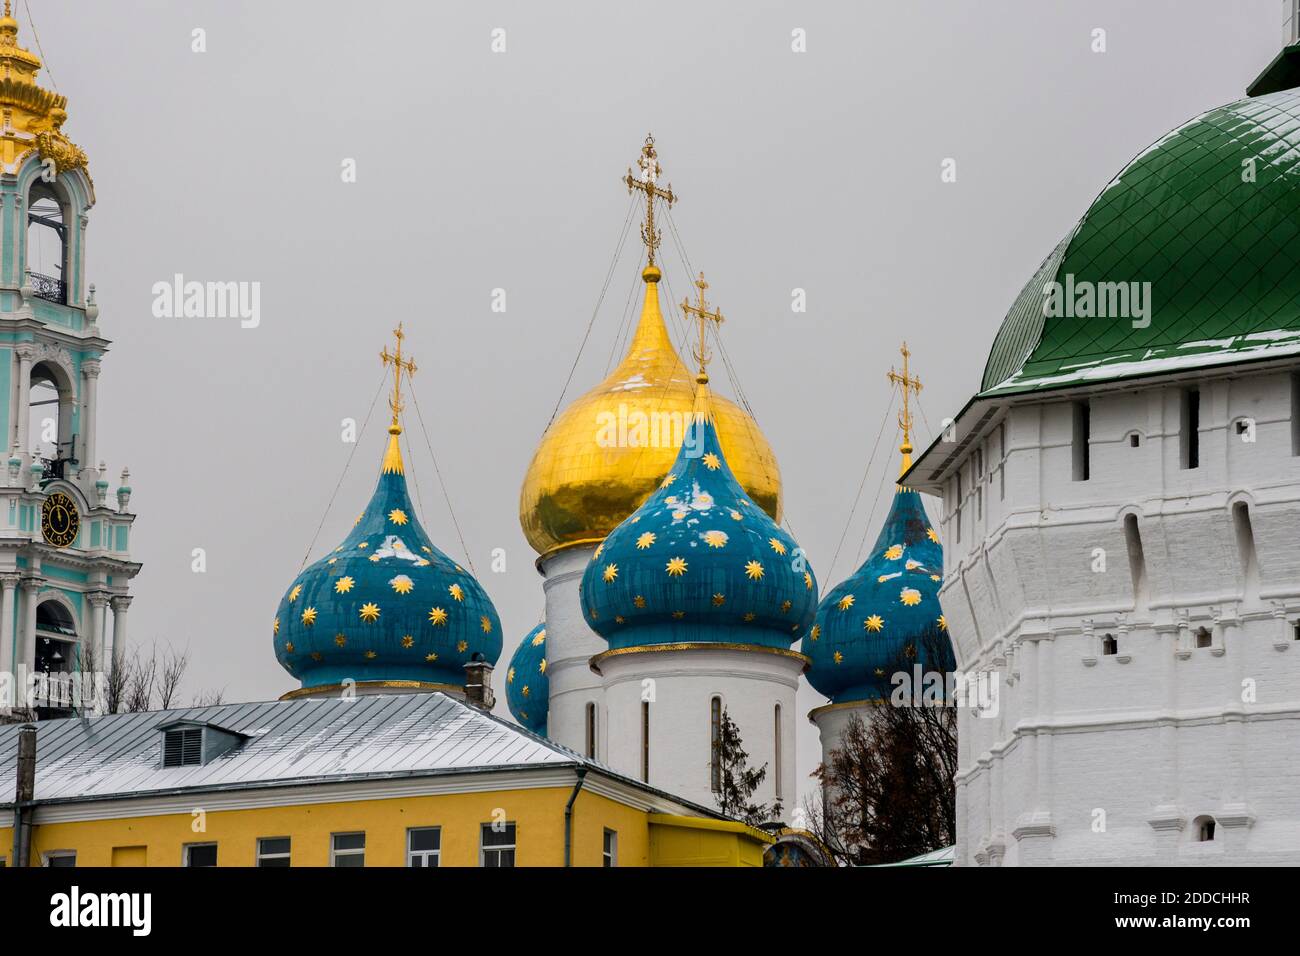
pixel 64 545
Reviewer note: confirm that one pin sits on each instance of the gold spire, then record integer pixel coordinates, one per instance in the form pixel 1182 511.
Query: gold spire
pixel 909 384
pixel 393 456
pixel 648 163
pixel 30 117
pixel 704 316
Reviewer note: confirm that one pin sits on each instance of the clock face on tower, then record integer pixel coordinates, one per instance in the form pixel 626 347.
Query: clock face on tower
pixel 60 520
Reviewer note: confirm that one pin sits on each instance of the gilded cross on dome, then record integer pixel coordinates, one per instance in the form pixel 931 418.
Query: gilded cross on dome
pixel 704 315
pixel 400 365
pixel 648 183
pixel 910 385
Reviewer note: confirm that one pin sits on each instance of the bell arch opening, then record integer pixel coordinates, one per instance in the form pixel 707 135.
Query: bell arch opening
pixel 47 242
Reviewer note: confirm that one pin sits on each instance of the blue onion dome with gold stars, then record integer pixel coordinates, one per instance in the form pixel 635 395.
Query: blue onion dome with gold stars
pixel 528 687
pixel 699 561
pixel 887 613
pixel 386 605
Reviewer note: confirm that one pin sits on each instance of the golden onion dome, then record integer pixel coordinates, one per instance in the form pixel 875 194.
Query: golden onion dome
pixel 609 450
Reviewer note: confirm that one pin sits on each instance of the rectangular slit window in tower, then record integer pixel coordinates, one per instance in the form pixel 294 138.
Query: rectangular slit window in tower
pixel 1189 438
pixel 645 741
pixel 1082 439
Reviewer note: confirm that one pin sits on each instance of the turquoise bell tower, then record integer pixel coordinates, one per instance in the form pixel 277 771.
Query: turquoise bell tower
pixel 386 611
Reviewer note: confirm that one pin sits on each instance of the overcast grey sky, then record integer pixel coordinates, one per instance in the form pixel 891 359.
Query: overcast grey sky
pixel 476 171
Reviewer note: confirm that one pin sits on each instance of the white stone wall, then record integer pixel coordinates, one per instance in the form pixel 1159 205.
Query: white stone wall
pixel 682 684
pixel 570 645
pixel 1112 758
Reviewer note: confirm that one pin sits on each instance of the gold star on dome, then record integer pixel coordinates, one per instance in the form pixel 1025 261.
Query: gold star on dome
pixel 670 500
pixel 437 616
pixel 839 658
pixel 845 602
pixel 309 616
pixel 785 607
pixel 636 518
pixel 618 618
pixel 426 549
pixel 276 628
pixel 816 632
pixel 910 596
pixel 363 545
pixel 402 584
pixel 332 561
pixel 909 652
pixel 929 533
pixel 668 480
pixel 340 639
pixel 678 615
pixel 317 656
pixel 736 515
pixel 719 600
pixel 600 549
pixel 807 581
pixel 875 623
pixel 485 623
pixel 459 569
pixel 338 549
pixel 777 545
pixel 540 639
pixel 510 676
pixel 676 567
pixel 430 657
pixel 646 539
pixel 754 570
pixel 456 592
pixel 880 672
pixel 524 692
pixel 398 546
pixel 639 601
pixel 595 615
pixel 358 521
pixel 712 462
pixel 374 558
pixel 943 622
pixel 371 655
pixel 422 563
pixel 370 613
pixel 288 647
pixel 462 645
pixel 407 640
pixel 936 577
pixel 749 616
pixel 704 500
pixel 343 585
pixel 541 668
pixel 610 573
pixel 912 564
pixel 293 594
pixel 679 514
pixel 715 539
pixel 397 516
pixel 894 552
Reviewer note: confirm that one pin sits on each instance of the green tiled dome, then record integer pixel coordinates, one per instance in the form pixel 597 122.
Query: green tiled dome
pixel 1209 215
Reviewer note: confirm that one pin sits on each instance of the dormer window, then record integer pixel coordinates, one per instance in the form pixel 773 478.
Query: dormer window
pixel 183 747
pixel 188 743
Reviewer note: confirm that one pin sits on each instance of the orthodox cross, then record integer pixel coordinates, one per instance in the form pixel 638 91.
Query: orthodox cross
pixel 399 365
pixel 910 385
pixel 702 312
pixel 648 183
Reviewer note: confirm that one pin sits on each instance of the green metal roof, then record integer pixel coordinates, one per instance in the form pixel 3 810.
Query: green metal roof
pixel 1218 250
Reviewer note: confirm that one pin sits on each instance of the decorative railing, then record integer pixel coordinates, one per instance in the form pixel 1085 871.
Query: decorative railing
pixel 48 288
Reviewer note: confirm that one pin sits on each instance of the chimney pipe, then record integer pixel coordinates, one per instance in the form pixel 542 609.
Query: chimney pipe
pixel 24 793
pixel 478 683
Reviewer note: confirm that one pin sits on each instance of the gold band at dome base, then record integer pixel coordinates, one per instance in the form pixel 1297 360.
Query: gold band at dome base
pixel 594 663
pixel 415 685
pixel 844 705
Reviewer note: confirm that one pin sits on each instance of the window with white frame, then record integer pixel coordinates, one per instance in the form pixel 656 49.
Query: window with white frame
pixel 497 845
pixel 423 846
pixel 273 851
pixel 200 854
pixel 66 858
pixel 348 849
pixel 609 850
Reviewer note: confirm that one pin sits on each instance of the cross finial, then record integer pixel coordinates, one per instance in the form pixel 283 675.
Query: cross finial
pixel 648 183
pixel 910 385
pixel 400 365
pixel 702 313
